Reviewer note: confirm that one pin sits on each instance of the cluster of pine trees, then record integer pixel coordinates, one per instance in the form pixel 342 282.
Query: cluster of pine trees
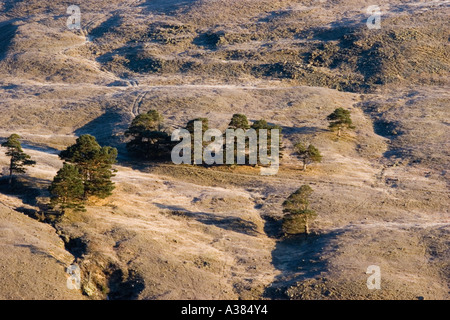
pixel 86 172
pixel 150 140
pixel 298 215
pixel 87 169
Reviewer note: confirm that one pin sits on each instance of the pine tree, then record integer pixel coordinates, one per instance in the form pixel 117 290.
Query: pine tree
pixel 94 163
pixel 307 154
pixel 298 222
pixel 239 121
pixel 340 119
pixel 262 124
pixel 148 139
pixel 19 159
pixel 190 127
pixel 298 215
pixel 299 200
pixel 67 189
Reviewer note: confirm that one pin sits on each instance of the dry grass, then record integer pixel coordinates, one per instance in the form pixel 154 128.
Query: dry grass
pixel 189 232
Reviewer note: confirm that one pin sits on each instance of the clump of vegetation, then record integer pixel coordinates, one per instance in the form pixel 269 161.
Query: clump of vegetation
pixel 239 121
pixel 262 124
pixel 339 120
pixel 149 141
pixel 190 126
pixel 94 164
pixel 169 33
pixel 307 154
pixel 18 159
pixel 67 189
pixel 298 215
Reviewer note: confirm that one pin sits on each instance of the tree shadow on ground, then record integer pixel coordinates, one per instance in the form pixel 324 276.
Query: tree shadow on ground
pixel 28 190
pixel 106 26
pixel 7 32
pixel 298 258
pixel 108 129
pixel 24 187
pixel 39 147
pixel 231 223
pixel 302 130
pixel 168 7
pixel 124 287
pixel 37 251
pixel 391 130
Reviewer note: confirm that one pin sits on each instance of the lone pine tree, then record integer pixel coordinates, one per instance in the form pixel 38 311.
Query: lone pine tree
pixel 298 215
pixel 94 164
pixel 67 189
pixel 340 119
pixel 307 154
pixel 18 158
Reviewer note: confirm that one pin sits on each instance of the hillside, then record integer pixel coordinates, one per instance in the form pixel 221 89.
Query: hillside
pixel 193 232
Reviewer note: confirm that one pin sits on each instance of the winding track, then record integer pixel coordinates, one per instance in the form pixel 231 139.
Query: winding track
pixel 136 107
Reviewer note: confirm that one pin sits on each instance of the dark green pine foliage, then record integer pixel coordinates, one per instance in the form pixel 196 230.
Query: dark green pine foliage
pixel 298 215
pixel 307 154
pixel 149 141
pixel 239 121
pixel 262 124
pixel 94 163
pixel 340 119
pixel 190 127
pixel 18 159
pixel 67 189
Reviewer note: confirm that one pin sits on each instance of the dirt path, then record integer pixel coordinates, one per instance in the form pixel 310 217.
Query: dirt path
pixel 135 109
